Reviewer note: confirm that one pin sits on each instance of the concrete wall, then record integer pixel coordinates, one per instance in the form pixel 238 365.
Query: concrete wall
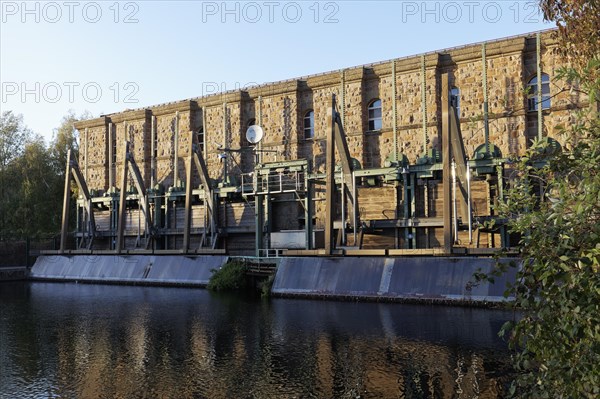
pixel 419 279
pixel 423 278
pixel 133 269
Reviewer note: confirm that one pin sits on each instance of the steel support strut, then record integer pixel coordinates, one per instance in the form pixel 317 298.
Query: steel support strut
pixel 72 168
pixel 336 137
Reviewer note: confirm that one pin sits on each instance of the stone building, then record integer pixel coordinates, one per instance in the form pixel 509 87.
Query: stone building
pixel 391 114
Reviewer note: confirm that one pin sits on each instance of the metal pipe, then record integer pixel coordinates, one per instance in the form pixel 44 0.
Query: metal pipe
pixel 354 214
pixel 85 154
pixel 454 210
pixel 540 116
pixel 395 110
pixel 343 97
pixel 153 151
pixel 111 156
pixel 176 152
pixel 486 123
pixel 343 227
pixel 470 212
pixel 259 120
pixel 424 105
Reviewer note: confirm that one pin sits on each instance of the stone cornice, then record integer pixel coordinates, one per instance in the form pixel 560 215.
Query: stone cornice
pixel 274 89
pixel 90 123
pixel 129 116
pixel 219 98
pixel 181 106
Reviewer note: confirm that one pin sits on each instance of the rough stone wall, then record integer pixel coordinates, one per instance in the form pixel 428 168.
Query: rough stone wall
pixel 280 109
pixel 94 168
pixel 510 64
pixel 165 134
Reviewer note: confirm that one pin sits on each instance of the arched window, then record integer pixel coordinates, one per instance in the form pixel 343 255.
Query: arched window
pixel 532 90
pixel 375 115
pixel 309 124
pixel 455 99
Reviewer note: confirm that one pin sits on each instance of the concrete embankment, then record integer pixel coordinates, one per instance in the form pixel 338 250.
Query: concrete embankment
pixel 128 269
pixel 422 279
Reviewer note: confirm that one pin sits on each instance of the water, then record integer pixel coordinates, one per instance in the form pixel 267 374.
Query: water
pixel 62 340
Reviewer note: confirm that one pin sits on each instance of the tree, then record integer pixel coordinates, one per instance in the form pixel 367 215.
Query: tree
pixel 32 176
pixel 38 211
pixel 13 135
pixel 554 206
pixel 65 139
pixel 578 23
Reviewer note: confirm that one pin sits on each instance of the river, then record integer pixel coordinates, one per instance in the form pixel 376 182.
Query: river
pixel 68 340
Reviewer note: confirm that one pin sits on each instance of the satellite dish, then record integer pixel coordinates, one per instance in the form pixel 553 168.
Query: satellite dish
pixel 254 134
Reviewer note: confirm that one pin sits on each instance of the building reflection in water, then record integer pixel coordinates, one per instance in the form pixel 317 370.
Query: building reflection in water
pixel 89 341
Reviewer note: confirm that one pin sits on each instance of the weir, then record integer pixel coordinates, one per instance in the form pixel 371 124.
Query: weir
pixel 128 269
pixel 441 279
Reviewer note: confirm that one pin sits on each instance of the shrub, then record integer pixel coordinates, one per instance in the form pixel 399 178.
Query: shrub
pixel 230 277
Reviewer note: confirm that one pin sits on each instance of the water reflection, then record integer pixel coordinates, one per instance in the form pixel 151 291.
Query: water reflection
pixel 88 341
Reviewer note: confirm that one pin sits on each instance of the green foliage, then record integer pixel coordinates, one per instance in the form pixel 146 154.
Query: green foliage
pixel 266 285
pixel 32 177
pixel 230 277
pixel 554 205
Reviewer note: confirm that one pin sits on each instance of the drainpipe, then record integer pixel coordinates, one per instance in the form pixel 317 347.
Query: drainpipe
pixel 454 210
pixel 486 122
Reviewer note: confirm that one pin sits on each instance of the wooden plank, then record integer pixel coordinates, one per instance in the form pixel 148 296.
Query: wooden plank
pixel 365 252
pixel 416 252
pixel 377 202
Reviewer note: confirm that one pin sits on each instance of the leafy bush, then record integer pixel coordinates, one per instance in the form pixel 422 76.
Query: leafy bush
pixel 230 277
pixel 554 205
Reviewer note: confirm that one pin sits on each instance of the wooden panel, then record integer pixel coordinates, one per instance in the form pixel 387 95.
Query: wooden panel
pixel 285 215
pixel 236 214
pixel 240 244
pixel 479 198
pixel 380 240
pixel 198 214
pixel 377 203
pixel 135 221
pixel 102 219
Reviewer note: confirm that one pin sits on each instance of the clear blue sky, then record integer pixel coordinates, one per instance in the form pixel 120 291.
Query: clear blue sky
pixel 106 56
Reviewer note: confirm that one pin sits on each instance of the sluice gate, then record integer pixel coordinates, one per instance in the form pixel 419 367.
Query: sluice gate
pixel 440 205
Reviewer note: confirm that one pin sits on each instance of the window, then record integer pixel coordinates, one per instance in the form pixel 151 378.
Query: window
pixel 309 124
pixel 455 100
pixel 113 137
pixel 532 87
pixel 155 154
pixel 200 136
pixel 375 115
